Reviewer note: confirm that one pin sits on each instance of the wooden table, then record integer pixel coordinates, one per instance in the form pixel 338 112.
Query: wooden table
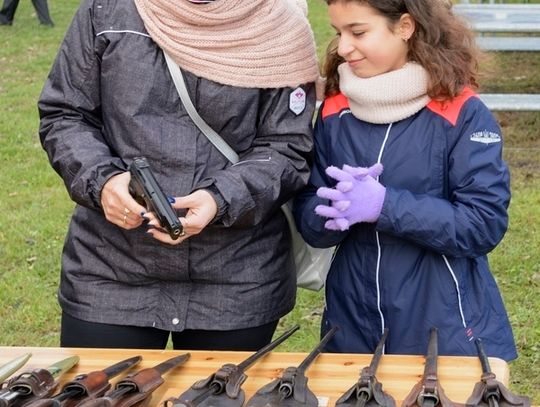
pixel 329 376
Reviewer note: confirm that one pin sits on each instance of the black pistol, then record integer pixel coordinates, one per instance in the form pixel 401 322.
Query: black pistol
pixel 147 192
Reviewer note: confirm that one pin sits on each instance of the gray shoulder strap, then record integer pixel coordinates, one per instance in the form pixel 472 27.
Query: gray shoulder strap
pixel 214 138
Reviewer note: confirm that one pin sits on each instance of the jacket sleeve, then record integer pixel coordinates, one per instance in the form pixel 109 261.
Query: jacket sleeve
pixel 70 113
pixel 274 167
pixel 309 224
pixel 472 219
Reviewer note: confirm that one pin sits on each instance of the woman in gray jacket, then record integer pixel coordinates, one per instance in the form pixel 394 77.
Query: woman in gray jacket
pixel 249 68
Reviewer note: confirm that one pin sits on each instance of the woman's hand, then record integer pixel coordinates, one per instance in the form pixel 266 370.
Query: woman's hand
pixel 118 205
pixel 201 209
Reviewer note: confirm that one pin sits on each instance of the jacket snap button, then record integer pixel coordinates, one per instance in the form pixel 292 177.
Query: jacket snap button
pixel 175 321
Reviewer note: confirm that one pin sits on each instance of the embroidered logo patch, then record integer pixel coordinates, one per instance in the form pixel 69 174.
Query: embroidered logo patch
pixel 297 101
pixel 486 137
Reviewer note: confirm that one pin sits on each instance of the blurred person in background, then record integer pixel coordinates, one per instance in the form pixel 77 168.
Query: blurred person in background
pixel 10 6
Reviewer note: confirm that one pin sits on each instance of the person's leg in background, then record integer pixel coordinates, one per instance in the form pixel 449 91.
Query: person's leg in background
pixel 76 333
pixel 249 339
pixel 42 10
pixel 8 11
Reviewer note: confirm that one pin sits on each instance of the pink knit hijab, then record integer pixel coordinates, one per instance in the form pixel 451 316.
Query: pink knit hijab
pixel 245 43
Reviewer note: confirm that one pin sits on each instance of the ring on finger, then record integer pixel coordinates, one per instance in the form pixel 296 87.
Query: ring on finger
pixel 126 211
pixel 124 219
pixel 184 226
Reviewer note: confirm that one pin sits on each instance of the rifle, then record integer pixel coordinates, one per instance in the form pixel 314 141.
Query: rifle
pixel 291 389
pixel 145 189
pixel 137 388
pixel 428 391
pixel 368 392
pixel 38 383
pixel 86 386
pixel 11 367
pixel 223 388
pixel 489 392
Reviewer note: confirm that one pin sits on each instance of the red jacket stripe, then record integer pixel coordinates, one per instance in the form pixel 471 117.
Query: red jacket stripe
pixel 334 104
pixel 449 109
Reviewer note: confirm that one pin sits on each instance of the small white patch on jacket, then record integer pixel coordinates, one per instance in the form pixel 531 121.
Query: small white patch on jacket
pixel 486 137
pixel 297 101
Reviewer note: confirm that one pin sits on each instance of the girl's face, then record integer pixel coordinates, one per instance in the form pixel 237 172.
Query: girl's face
pixel 366 41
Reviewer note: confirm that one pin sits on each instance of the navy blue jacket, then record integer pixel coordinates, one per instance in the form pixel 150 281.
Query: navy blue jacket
pixel 424 263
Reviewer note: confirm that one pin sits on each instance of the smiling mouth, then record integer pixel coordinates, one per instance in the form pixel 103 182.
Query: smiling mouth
pixel 355 62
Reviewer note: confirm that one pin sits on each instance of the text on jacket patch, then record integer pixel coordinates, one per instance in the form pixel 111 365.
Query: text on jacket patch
pixel 486 137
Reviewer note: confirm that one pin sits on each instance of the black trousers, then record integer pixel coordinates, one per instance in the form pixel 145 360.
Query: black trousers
pixel 76 333
pixel 10 6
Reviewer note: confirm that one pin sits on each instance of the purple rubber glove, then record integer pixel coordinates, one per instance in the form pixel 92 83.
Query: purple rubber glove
pixel 357 197
pixel 358 172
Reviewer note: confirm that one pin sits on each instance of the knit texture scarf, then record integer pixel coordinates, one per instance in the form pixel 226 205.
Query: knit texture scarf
pixel 388 97
pixel 245 43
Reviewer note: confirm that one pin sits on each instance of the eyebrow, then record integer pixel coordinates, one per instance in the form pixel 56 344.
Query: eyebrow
pixel 352 25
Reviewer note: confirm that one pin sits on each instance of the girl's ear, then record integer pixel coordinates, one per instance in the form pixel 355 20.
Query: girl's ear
pixel 406 26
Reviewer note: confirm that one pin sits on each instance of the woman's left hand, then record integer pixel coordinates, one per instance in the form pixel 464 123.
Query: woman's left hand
pixel 201 209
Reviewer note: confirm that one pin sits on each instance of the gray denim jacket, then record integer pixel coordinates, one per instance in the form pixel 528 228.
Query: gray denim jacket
pixel 109 98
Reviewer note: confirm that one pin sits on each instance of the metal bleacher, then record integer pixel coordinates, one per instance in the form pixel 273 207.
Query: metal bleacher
pixel 503 28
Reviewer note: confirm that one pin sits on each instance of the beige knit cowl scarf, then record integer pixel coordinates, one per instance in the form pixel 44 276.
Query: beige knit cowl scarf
pixel 244 43
pixel 388 97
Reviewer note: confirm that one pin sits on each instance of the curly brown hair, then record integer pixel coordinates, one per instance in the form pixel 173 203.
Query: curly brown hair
pixel 442 43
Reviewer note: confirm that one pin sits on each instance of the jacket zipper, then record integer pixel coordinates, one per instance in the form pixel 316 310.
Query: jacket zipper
pixel 377 270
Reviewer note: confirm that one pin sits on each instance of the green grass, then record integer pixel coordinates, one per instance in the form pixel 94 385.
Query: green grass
pixel 35 208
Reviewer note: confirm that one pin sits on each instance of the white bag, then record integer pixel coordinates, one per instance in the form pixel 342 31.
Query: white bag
pixel 312 264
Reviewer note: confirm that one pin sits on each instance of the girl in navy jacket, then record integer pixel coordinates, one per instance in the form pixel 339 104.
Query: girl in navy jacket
pixel 411 239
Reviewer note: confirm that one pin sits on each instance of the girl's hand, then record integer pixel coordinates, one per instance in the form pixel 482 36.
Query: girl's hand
pixel 357 197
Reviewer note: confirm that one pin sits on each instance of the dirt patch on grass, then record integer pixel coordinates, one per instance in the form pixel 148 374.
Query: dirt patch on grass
pixel 510 72
pixel 516 72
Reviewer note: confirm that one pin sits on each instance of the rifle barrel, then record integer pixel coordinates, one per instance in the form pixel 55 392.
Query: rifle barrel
pixel 433 351
pixel 253 358
pixel 482 355
pixel 378 352
pixel 315 352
